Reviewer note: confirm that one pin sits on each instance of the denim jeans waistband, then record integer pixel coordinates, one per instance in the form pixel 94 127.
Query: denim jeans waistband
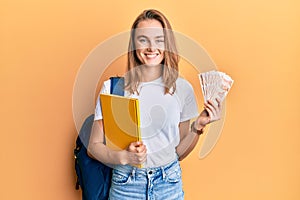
pixel 145 171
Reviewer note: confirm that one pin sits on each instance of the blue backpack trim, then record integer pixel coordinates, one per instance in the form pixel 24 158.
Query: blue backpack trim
pixel 117 86
pixel 93 177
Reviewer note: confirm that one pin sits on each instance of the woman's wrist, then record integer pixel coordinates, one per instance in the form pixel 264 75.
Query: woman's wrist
pixel 123 158
pixel 197 129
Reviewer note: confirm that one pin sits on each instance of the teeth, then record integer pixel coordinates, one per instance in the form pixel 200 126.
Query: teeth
pixel 151 55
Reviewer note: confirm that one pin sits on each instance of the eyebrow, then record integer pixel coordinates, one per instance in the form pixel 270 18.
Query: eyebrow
pixel 140 36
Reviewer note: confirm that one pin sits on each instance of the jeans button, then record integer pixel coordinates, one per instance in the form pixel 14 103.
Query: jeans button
pixel 150 172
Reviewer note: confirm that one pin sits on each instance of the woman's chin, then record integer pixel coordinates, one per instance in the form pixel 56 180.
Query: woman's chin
pixel 152 64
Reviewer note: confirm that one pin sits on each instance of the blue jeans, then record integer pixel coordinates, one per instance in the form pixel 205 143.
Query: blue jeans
pixel 160 183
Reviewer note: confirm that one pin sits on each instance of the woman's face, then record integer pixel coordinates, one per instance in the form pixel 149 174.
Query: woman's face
pixel 149 42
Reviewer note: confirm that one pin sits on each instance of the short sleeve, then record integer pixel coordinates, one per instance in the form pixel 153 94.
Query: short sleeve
pixel 188 100
pixel 104 90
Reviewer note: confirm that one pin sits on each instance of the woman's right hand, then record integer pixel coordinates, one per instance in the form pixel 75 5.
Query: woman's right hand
pixel 136 153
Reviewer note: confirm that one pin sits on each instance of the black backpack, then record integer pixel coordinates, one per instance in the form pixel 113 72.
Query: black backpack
pixel 93 177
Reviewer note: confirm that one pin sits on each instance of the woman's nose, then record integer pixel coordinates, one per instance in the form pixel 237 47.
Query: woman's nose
pixel 151 46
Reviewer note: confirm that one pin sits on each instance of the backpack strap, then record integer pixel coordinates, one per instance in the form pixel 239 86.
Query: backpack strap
pixel 117 85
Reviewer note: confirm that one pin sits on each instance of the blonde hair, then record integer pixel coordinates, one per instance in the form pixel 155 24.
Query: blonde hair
pixel 169 63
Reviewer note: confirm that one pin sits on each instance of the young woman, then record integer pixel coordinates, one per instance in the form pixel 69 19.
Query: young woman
pixel 167 104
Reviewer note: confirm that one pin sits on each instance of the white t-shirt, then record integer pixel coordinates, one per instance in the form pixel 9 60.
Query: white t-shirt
pixel 160 115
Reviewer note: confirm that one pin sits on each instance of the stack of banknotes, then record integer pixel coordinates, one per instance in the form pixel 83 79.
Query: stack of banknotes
pixel 215 84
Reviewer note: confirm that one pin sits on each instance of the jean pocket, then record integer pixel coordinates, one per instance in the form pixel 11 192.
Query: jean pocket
pixel 120 178
pixel 173 175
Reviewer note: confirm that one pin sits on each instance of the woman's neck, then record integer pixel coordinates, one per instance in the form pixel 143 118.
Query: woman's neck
pixel 150 73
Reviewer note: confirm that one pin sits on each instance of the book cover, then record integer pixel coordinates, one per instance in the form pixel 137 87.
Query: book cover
pixel 121 120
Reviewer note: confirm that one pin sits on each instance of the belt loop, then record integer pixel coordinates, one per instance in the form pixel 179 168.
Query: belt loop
pixel 133 173
pixel 163 173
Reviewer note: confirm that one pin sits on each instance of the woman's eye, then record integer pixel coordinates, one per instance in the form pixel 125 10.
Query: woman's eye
pixel 160 41
pixel 142 41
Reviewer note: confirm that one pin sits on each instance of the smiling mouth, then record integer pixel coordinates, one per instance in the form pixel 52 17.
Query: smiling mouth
pixel 151 55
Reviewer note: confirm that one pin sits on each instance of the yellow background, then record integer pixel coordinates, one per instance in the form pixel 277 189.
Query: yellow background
pixel 43 43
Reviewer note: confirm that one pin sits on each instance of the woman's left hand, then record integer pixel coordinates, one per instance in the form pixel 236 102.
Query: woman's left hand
pixel 210 114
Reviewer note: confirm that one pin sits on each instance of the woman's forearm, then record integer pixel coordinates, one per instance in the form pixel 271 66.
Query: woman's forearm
pixel 99 151
pixel 102 153
pixel 188 140
pixel 186 145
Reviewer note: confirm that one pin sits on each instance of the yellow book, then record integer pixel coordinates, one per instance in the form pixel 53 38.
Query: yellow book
pixel 121 120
